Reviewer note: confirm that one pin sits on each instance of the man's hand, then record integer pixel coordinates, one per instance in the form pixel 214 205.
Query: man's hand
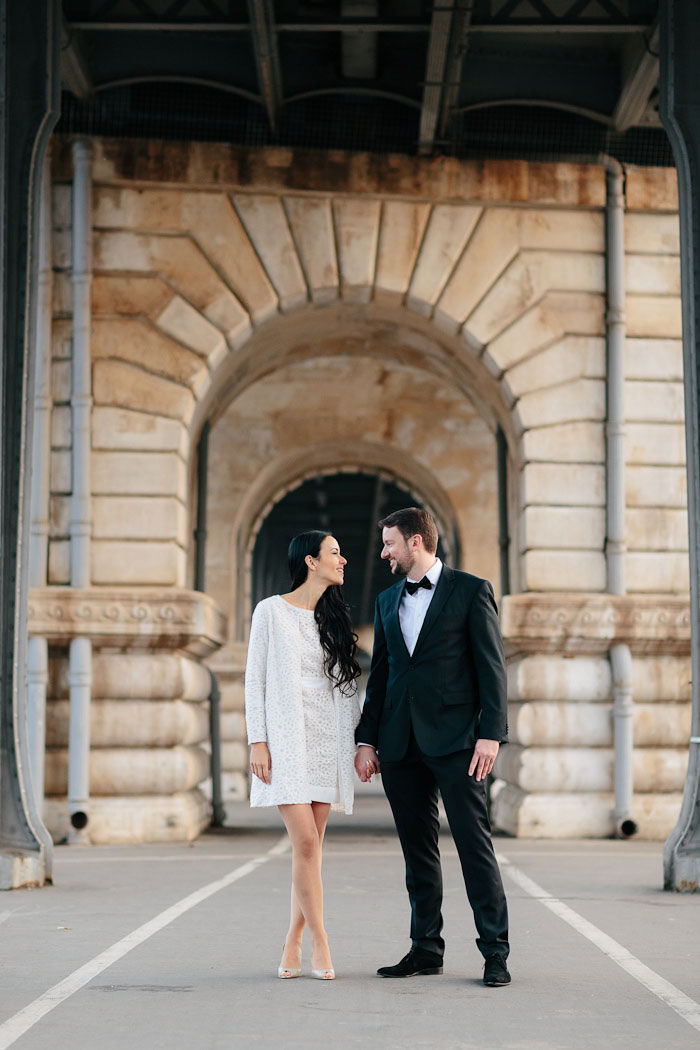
pixel 260 761
pixel 366 762
pixel 484 756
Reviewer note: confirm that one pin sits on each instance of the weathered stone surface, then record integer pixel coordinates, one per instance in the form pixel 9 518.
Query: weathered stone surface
pixel 137 342
pixel 132 771
pixel 59 516
pixel 144 295
pixel 552 724
pixel 580 485
pixel 400 234
pixel 312 225
pixel 661 571
pixel 232 694
pixel 150 818
pixel 150 564
pixel 661 678
pixel 557 570
pixel 660 444
pixel 656 316
pixel 557 678
pixel 61 472
pixel 652 275
pixel 526 280
pixel 590 623
pixel 232 725
pixel 146 209
pixel 122 429
pixel 579 399
pixel 579 442
pixel 492 247
pixel 539 769
pixel 61 205
pixel 655 486
pixel 662 725
pixel 222 238
pixel 571 358
pixel 61 339
pixel 144 675
pixel 651 189
pixel 560 816
pixel 560 230
pixel 61 373
pixel 655 233
pixel 61 424
pixel 266 223
pixel 123 385
pixel 449 229
pixel 181 321
pixel 139 518
pixel 59 562
pixel 558 314
pixel 234 756
pixel 132 723
pixel 563 527
pixel 357 232
pixel 654 359
pixel 656 529
pixel 139 473
pixel 654 402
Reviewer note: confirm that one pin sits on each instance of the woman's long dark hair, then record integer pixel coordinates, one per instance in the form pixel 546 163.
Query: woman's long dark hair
pixel 332 614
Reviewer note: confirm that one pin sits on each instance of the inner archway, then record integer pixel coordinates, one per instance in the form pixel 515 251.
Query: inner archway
pixel 349 506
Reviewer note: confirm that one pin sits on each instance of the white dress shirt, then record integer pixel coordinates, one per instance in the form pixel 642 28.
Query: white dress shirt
pixel 412 611
pixel 413 607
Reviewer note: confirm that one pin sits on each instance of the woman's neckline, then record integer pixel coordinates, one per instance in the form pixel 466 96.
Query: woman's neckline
pixel 297 607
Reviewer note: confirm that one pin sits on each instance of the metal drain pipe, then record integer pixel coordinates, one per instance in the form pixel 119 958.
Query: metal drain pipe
pixel 80 654
pixel 616 546
pixel 37 648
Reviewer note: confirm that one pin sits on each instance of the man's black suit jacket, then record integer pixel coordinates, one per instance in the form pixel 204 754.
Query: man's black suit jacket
pixel 452 690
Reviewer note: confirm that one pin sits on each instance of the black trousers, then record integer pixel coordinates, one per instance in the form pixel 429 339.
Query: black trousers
pixel 412 786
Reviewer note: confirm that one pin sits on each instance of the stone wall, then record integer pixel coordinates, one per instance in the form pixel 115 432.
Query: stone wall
pixel 225 277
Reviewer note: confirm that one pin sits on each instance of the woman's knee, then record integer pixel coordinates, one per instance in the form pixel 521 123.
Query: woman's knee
pixel 306 844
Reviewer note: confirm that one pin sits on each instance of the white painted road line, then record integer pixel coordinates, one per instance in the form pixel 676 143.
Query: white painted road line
pixel 21 1022
pixel 683 1005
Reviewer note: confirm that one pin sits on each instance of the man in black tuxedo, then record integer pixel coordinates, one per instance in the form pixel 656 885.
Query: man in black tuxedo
pixel 434 715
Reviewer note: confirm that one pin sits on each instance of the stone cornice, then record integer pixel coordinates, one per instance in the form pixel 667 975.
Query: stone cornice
pixel 591 623
pixel 128 617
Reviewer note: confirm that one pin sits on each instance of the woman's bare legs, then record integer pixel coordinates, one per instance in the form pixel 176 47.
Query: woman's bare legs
pixel 306 826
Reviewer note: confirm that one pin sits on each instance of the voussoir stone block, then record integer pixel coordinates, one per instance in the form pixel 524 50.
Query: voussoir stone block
pixel 556 315
pixel 139 343
pixel 357 232
pixel 123 385
pixel 574 357
pixel 266 223
pixel 312 225
pixel 400 234
pixel 449 229
pixel 579 399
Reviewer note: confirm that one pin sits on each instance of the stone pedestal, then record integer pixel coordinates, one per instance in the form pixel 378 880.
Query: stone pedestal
pixel 149 715
pixel 555 778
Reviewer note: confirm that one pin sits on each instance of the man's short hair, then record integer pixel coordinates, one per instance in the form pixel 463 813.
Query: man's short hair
pixel 412 521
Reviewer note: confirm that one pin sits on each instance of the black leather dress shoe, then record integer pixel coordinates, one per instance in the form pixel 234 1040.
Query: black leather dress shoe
pixel 495 971
pixel 418 963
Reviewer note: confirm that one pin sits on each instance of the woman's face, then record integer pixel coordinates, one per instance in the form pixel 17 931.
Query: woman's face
pixel 330 564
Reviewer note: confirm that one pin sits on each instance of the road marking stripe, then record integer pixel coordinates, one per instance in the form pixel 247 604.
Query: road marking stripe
pixel 22 1021
pixel 683 1005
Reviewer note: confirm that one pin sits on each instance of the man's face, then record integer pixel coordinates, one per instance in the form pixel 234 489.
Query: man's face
pixel 397 551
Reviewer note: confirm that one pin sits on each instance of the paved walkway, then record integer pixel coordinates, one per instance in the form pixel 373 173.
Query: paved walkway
pixel 177 947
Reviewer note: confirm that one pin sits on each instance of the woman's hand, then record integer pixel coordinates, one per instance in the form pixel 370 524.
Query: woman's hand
pixel 260 761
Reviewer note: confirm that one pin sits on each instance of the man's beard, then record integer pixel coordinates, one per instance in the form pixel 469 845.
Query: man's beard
pixel 402 566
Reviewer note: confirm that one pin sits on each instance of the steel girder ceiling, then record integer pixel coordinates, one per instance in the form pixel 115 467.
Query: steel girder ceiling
pixel 597 58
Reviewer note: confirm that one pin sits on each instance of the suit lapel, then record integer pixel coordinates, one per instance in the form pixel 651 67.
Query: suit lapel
pixel 393 625
pixel 442 593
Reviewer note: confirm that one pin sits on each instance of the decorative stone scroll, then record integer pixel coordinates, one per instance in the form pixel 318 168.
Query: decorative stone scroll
pixel 590 623
pixel 128 618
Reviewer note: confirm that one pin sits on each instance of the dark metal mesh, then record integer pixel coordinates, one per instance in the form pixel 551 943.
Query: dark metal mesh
pixel 180 111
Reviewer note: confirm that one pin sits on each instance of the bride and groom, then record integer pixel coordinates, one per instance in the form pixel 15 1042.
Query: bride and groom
pixel 432 722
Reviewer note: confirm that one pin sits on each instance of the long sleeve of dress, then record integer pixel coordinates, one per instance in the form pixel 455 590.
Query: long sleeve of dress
pixel 255 677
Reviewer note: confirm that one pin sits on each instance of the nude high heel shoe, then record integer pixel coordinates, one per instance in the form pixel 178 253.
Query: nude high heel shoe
pixel 324 975
pixel 287 972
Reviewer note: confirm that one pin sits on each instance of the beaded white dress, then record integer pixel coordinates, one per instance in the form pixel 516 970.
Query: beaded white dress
pixel 307 722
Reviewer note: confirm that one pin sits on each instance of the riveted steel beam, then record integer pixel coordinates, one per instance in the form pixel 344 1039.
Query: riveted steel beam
pixel 264 33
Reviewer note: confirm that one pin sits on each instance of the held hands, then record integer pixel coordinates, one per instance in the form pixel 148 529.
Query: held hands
pixel 366 762
pixel 484 756
pixel 260 761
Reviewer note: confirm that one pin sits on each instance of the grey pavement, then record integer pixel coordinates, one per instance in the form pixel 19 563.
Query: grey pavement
pixel 207 979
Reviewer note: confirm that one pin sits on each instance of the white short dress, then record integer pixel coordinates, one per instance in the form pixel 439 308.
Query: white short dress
pixel 307 722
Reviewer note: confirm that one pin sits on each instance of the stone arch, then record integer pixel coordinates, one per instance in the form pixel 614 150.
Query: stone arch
pixel 288 472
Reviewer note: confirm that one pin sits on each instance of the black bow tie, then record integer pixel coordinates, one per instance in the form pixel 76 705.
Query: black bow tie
pixel 412 587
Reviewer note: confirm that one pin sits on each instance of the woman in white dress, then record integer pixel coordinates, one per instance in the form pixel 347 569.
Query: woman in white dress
pixel 301 712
